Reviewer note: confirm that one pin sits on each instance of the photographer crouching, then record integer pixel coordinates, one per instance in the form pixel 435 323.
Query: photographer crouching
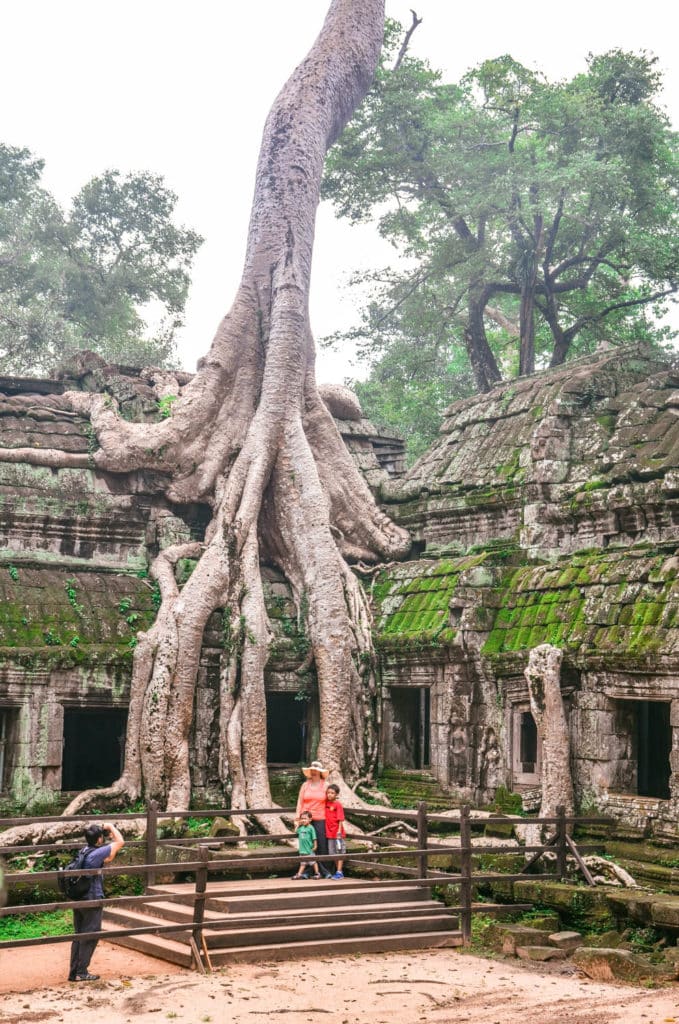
pixel 103 843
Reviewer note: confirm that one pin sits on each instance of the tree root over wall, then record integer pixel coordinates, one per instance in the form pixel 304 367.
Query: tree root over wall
pixel 251 436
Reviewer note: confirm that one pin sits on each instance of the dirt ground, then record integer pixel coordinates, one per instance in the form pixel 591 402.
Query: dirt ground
pixel 437 987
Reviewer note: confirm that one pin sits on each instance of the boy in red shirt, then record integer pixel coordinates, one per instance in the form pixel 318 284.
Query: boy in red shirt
pixel 334 827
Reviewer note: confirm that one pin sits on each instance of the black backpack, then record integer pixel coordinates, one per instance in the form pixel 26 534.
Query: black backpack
pixel 75 887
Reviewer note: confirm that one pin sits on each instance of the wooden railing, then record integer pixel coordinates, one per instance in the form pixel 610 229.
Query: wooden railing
pixel 420 875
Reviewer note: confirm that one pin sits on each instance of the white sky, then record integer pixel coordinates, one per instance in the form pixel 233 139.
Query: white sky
pixel 182 89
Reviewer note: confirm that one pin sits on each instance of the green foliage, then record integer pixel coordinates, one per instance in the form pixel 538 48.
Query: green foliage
pixel 165 406
pixel 72 595
pixel 13 572
pixel 33 926
pixel 645 940
pixel 82 279
pixel 506 802
pixel 517 205
pixel 198 826
pixel 410 386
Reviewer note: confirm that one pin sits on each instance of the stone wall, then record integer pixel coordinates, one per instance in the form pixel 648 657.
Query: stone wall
pixel 75 547
pixel 547 512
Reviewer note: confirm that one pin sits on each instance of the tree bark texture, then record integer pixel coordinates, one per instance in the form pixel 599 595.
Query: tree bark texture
pixel 483 363
pixel 543 676
pixel 251 436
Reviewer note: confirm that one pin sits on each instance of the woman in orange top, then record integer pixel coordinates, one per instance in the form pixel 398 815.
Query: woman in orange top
pixel 312 799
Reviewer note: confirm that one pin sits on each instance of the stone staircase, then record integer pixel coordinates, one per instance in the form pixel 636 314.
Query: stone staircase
pixel 278 919
pixel 405 787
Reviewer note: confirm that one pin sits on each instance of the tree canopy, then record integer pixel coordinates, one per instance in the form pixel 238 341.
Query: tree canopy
pixel 87 278
pixel 535 219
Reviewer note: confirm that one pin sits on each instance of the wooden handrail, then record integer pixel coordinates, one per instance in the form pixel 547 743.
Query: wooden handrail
pixel 419 851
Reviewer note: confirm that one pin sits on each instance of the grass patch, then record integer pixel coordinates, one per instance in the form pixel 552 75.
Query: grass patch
pixel 33 926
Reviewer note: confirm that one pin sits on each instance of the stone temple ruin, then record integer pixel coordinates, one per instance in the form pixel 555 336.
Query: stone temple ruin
pixel 546 512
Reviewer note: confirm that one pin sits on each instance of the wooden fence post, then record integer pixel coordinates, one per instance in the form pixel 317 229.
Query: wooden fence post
pixel 422 840
pixel 196 941
pixel 151 841
pixel 465 874
pixel 561 848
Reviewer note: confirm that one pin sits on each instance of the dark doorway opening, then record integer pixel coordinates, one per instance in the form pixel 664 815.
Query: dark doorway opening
pixel 94 746
pixel 286 728
pixel 528 743
pixel 410 734
pixel 9 718
pixel 654 743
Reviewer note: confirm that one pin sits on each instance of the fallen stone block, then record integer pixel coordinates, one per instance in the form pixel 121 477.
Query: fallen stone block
pixel 665 913
pixel 540 953
pixel 223 827
pixel 620 965
pixel 606 940
pixel 631 905
pixel 567 941
pixel 513 935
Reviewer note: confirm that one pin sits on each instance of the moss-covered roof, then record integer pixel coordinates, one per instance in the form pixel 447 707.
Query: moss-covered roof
pixel 582 455
pixel 623 602
pixel 620 407
pixel 412 601
pixel 63 615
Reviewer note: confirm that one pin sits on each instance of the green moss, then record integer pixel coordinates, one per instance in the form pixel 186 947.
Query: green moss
pixel 607 422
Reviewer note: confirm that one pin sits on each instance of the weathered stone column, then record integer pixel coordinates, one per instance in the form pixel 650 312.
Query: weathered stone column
pixel 543 675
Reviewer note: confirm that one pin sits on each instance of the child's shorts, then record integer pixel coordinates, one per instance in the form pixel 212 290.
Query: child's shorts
pixel 336 846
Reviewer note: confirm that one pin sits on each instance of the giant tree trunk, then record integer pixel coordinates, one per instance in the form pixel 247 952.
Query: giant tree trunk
pixel 527 330
pixel 483 363
pixel 251 436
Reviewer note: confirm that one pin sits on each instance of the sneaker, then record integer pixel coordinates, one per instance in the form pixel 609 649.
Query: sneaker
pixel 87 977
pixel 338 874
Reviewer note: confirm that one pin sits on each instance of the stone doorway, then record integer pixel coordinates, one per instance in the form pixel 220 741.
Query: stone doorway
pixel 408 727
pixel 526 747
pixel 94 747
pixel 287 729
pixel 654 744
pixel 528 743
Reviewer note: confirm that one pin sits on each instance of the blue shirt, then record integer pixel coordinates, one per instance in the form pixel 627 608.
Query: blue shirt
pixel 94 858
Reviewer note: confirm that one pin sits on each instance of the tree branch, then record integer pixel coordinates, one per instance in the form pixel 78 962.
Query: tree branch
pixel 406 40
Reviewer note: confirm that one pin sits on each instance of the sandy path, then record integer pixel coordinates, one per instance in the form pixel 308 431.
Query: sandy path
pixel 436 987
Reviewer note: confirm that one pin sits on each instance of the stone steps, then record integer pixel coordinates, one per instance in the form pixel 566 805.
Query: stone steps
pixel 406 787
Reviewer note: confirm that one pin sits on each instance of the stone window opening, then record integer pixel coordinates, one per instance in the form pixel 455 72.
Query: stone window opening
pixel 528 743
pixel 8 726
pixel 526 747
pixel 287 729
pixel 93 747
